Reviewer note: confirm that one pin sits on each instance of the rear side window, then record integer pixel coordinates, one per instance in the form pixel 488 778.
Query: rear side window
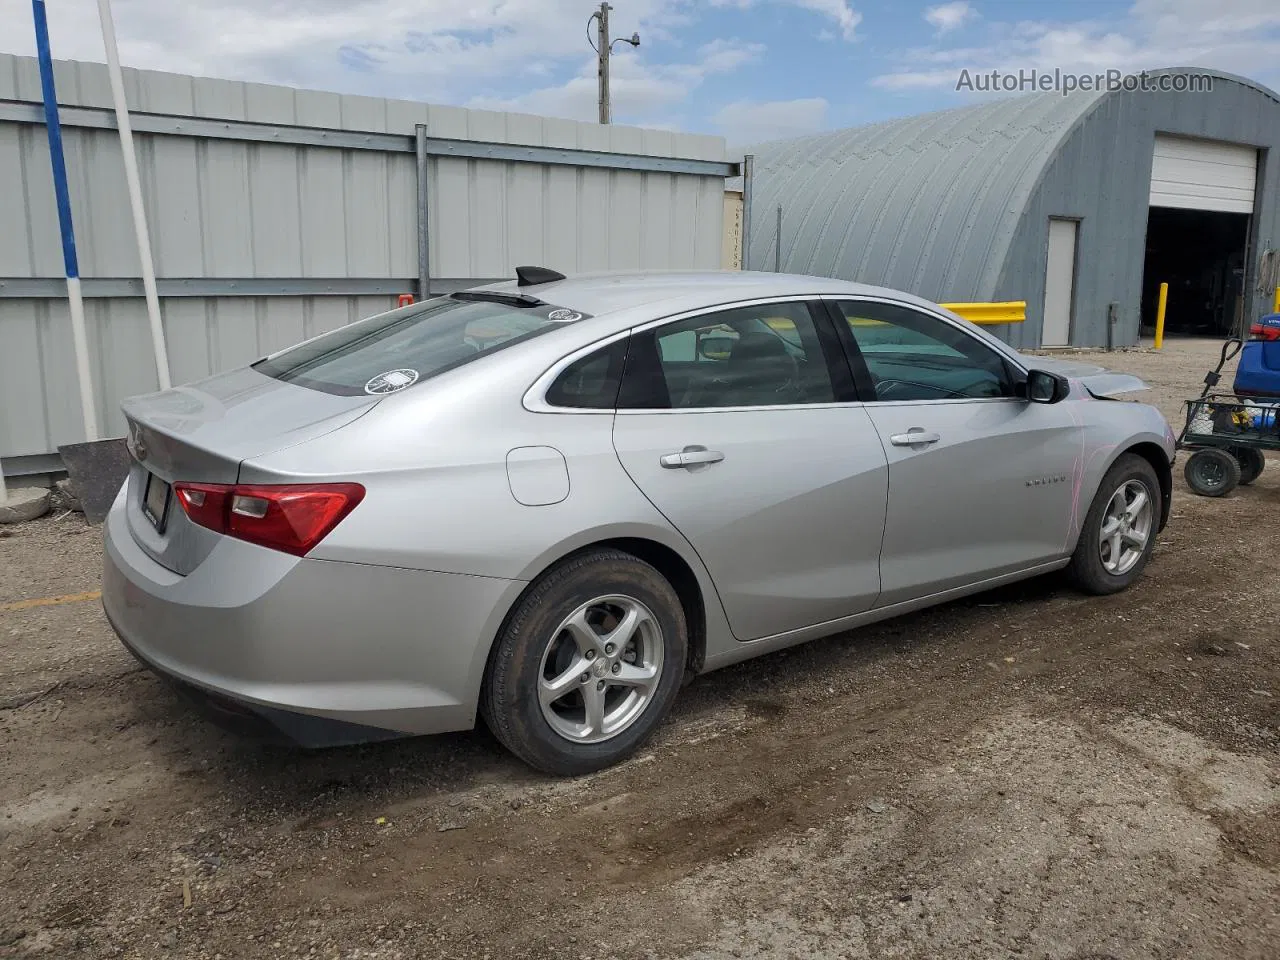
pixel 392 351
pixel 757 356
pixel 591 382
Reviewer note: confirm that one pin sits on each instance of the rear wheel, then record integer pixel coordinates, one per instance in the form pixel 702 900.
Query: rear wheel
pixel 588 664
pixel 1212 472
pixel 1120 529
pixel 1252 462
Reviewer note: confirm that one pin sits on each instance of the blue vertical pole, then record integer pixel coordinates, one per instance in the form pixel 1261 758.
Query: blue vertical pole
pixel 54 127
pixel 62 196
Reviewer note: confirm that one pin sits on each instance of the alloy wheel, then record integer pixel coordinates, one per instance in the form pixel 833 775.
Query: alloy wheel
pixel 1126 527
pixel 600 669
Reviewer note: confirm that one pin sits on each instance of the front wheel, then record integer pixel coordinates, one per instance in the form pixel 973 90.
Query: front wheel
pixel 587 665
pixel 1119 531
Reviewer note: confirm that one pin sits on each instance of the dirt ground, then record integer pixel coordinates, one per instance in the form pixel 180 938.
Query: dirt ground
pixel 1028 773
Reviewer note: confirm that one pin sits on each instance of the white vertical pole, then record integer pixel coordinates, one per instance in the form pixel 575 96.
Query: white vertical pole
pixel 135 193
pixel 75 302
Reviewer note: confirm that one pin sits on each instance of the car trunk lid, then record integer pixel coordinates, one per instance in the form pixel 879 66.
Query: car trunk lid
pixel 202 432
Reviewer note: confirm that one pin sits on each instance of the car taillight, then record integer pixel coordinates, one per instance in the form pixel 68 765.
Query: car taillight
pixel 290 517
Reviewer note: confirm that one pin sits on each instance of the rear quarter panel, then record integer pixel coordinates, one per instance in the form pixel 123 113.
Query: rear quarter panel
pixel 434 464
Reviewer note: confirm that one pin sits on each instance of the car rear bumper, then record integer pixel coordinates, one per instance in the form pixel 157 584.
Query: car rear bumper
pixel 323 652
pixel 263 722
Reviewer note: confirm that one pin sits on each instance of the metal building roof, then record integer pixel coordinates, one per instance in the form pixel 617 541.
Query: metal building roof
pixel 927 203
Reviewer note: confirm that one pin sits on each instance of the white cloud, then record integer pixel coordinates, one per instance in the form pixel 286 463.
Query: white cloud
pixel 746 121
pixel 510 54
pixel 1218 17
pixel 841 12
pixel 950 16
pixel 309 41
pixel 439 50
pixel 846 18
pixel 917 80
pixel 1236 36
pixel 638 90
pixel 724 56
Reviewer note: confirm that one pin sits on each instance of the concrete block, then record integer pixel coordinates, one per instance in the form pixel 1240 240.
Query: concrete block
pixel 67 499
pixel 25 503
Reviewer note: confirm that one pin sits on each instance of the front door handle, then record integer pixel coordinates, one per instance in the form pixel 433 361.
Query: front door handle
pixel 690 457
pixel 915 437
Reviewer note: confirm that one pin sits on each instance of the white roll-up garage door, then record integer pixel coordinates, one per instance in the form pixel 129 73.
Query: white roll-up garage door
pixel 1203 175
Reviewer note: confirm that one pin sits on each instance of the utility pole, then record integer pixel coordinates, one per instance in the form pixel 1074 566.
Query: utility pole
pixel 603 47
pixel 602 66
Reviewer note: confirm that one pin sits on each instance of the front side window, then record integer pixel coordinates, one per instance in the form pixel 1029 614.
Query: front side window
pixel 767 355
pixel 910 355
pixel 391 351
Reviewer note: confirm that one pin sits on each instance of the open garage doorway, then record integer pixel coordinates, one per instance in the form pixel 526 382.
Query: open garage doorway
pixel 1202 199
pixel 1201 255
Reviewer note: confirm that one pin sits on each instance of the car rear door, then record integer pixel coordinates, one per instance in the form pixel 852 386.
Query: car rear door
pixel 740 426
pixel 981 482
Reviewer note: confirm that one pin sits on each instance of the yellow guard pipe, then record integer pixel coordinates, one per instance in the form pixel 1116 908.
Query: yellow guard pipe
pixel 1164 302
pixel 1012 311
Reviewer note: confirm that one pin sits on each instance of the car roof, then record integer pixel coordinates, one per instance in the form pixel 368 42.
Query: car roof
pixel 667 292
pixel 616 301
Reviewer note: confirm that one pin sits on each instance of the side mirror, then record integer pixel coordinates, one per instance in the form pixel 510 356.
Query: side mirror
pixel 1045 387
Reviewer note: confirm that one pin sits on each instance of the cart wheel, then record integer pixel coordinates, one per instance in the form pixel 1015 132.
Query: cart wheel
pixel 1212 472
pixel 1252 462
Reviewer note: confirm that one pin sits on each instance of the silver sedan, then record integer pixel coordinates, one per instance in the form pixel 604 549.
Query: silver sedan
pixel 550 502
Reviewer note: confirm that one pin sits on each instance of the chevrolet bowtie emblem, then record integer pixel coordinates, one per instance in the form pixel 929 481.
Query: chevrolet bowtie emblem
pixel 136 446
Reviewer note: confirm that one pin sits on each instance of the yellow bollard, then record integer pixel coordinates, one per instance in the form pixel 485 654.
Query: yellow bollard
pixel 1164 301
pixel 1275 307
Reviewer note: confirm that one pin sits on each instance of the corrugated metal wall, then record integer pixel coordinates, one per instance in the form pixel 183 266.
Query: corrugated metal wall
pixel 1101 174
pixel 956 205
pixel 239 210
pixel 39 399
pixel 923 204
pixel 731 251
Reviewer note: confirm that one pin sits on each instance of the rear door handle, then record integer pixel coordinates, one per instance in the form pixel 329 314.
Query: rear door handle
pixel 915 437
pixel 690 457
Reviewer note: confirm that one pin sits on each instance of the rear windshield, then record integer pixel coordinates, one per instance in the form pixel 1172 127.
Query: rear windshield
pixel 392 351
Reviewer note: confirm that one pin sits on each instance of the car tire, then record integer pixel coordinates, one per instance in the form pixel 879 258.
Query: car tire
pixel 1212 472
pixel 536 645
pixel 1252 462
pixel 1096 567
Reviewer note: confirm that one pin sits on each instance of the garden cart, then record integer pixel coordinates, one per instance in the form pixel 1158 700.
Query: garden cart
pixel 1227 434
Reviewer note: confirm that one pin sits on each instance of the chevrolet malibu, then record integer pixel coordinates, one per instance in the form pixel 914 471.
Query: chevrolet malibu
pixel 550 502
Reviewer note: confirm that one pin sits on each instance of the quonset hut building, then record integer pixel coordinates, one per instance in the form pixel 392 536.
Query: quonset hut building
pixel 1081 205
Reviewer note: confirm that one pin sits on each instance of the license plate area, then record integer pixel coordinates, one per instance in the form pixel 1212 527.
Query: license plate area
pixel 155 502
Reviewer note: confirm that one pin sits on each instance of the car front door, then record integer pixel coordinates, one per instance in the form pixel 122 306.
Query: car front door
pixel 981 482
pixel 740 426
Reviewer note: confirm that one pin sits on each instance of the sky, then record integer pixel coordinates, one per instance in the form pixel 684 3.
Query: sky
pixel 750 70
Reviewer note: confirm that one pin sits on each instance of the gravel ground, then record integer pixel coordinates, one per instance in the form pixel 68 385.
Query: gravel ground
pixel 1027 773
